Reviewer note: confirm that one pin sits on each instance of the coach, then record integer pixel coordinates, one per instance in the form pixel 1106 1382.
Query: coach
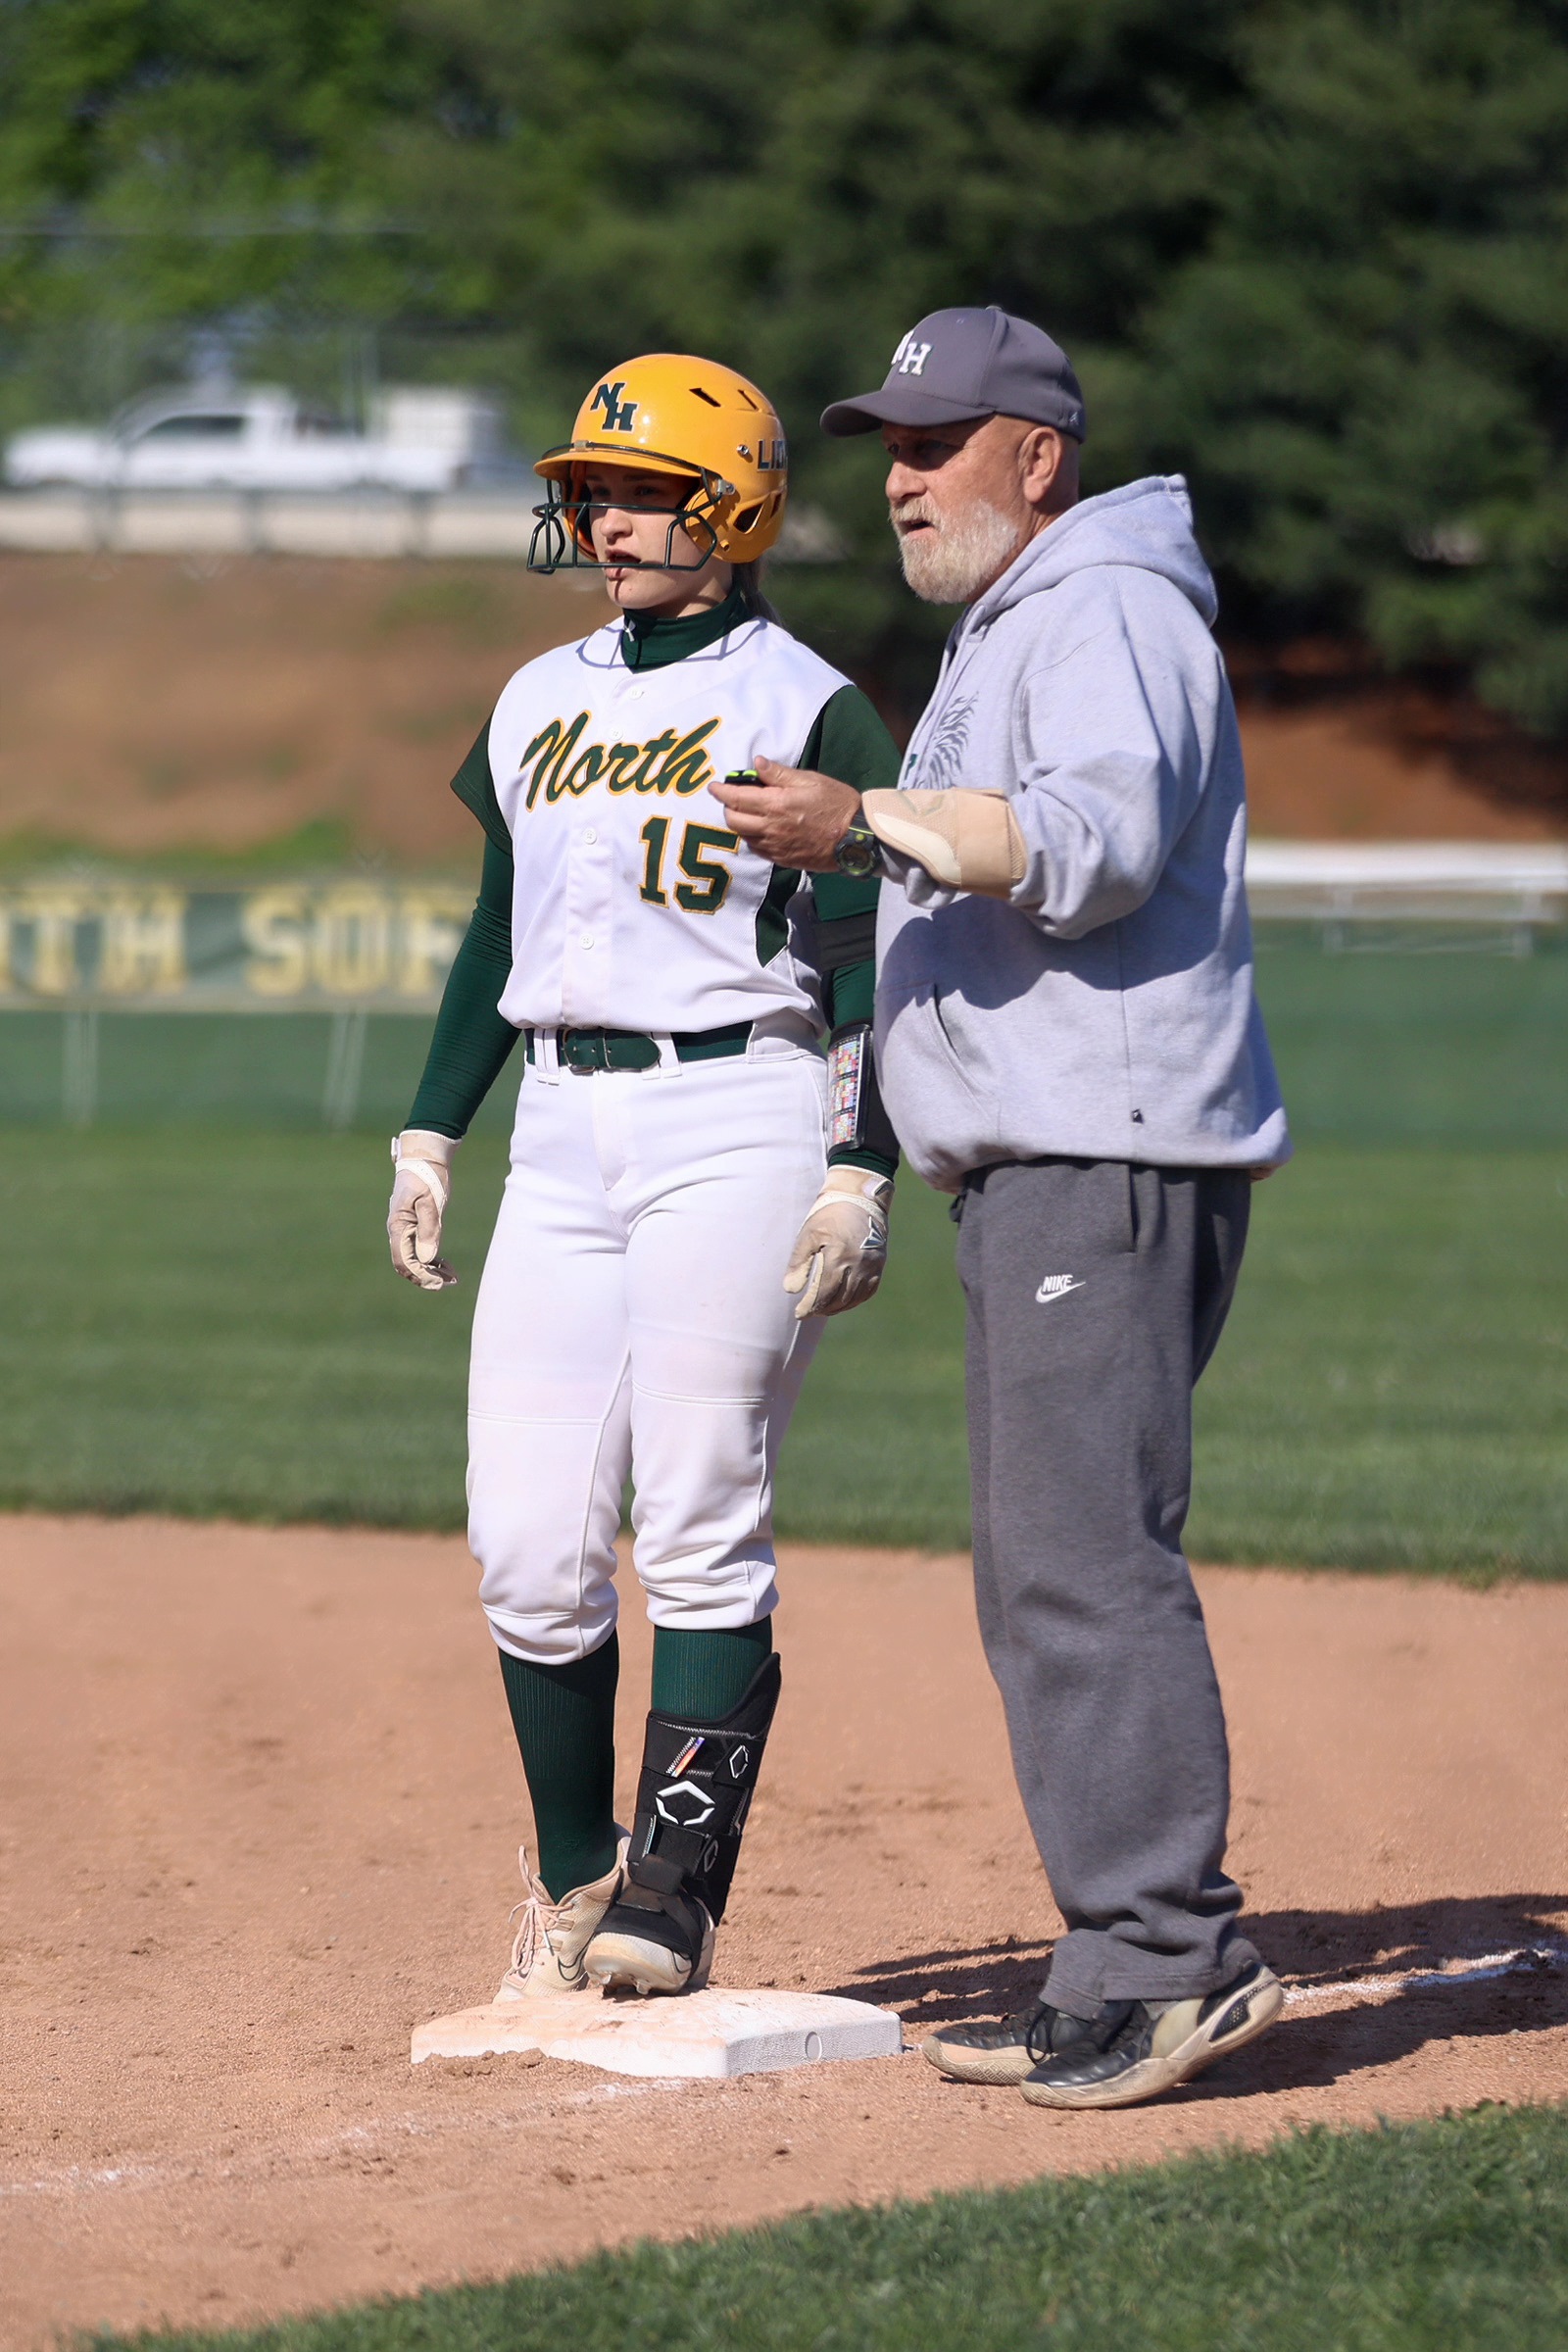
pixel 1067 1038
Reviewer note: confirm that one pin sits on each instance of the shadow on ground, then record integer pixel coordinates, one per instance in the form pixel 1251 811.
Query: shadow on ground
pixel 1310 2047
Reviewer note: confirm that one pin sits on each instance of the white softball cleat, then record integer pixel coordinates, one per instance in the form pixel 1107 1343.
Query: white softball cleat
pixel 547 1952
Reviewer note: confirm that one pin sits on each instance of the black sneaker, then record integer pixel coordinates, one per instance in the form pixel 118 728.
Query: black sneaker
pixel 1006 2052
pixel 648 1942
pixel 1134 2052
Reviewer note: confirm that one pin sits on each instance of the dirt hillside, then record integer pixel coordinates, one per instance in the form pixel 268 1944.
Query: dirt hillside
pixel 148 704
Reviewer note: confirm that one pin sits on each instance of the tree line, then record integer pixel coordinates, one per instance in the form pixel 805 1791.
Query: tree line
pixel 1312 253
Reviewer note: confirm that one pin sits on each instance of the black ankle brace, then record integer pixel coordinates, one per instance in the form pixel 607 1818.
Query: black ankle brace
pixel 695 1792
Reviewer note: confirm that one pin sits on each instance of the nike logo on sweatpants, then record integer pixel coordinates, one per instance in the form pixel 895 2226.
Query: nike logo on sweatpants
pixel 1056 1286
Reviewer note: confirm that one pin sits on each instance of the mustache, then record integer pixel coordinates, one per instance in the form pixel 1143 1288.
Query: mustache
pixel 901 512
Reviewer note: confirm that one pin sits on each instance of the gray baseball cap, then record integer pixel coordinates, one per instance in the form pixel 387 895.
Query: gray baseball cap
pixel 958 365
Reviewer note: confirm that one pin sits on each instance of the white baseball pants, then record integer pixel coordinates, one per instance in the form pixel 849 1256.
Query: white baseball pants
pixel 631 1318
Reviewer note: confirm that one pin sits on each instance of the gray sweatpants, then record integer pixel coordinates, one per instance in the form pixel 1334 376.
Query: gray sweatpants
pixel 1095 1292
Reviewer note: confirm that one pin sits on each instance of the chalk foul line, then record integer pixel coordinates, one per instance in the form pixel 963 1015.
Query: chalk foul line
pixel 1525 1960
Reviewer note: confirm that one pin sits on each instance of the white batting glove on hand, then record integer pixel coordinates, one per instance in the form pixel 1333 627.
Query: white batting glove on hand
pixel 841 1249
pixel 420 1192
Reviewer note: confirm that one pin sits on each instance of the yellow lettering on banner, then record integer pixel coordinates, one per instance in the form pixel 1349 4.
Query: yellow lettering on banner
pixel 143 952
pixel 351 947
pixel 54 914
pixel 274 925
pixel 430 929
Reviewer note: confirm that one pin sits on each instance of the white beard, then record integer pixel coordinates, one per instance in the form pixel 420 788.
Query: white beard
pixel 949 563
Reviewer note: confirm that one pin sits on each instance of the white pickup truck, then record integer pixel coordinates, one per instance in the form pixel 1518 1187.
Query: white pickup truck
pixel 264 439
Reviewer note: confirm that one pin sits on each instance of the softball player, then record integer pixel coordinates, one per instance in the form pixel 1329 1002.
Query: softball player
pixel 692 1186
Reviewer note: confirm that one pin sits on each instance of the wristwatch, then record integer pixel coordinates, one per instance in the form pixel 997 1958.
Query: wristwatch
pixel 860 854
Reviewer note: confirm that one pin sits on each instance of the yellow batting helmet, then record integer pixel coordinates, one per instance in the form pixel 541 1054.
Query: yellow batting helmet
pixel 693 419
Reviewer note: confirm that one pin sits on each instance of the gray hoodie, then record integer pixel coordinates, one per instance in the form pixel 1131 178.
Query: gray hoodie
pixel 1107 1011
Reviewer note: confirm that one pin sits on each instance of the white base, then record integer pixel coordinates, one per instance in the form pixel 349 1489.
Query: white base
pixel 697 2034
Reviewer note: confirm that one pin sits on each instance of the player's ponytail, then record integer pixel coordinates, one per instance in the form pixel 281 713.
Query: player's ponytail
pixel 748 578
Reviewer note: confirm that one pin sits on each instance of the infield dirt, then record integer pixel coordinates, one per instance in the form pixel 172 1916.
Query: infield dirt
pixel 258 1809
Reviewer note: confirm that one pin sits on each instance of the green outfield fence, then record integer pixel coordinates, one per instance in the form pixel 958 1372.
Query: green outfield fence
pixel 289 1001
pixel 90 1065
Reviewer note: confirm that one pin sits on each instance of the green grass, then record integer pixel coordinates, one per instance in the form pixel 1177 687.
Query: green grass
pixel 1391 1392
pixel 203 1320
pixel 1419 1047
pixel 1448 2236
pixel 1393 1388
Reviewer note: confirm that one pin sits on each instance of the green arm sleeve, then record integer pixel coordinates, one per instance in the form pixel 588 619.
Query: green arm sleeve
pixel 849 740
pixel 471 1041
pixel 475 788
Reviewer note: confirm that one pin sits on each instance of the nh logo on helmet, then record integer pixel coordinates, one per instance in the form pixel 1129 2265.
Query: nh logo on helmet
pixel 619 413
pixel 910 356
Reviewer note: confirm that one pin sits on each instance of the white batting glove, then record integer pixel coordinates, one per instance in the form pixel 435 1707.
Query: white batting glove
pixel 841 1249
pixel 420 1192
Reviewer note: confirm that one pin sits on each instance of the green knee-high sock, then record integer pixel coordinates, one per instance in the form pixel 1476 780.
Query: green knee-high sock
pixel 702 1677
pixel 565 1719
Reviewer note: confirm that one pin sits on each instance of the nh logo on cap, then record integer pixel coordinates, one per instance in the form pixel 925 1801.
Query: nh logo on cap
pixel 910 356
pixel 619 413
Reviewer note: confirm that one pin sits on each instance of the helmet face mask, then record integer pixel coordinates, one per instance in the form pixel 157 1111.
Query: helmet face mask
pixel 563 537
pixel 713 432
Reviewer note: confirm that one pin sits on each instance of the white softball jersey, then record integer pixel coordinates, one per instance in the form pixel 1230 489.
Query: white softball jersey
pixel 635 905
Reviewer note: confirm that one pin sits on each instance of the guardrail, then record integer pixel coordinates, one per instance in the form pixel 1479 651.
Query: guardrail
pixel 497 523
pixel 1347 886
pixel 268 523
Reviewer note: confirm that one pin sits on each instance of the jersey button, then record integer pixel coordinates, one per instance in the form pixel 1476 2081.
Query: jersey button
pixel 587 939
pixel 590 836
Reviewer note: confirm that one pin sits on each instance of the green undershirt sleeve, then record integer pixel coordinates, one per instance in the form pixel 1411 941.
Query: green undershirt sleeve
pixel 471 1039
pixel 849 740
pixel 475 788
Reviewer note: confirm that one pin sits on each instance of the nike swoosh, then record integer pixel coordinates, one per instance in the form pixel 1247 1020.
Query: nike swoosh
pixel 1044 1296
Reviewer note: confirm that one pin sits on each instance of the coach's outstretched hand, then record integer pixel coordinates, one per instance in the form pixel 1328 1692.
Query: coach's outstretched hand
pixel 420 1192
pixel 841 1249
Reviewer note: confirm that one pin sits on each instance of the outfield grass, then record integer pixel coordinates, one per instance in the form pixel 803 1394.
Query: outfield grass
pixel 1392 1392
pixel 204 1321
pixel 1460 1049
pixel 1448 2236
